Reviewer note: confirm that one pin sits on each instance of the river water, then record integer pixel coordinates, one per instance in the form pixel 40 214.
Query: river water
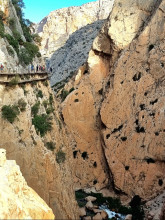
pixel 112 214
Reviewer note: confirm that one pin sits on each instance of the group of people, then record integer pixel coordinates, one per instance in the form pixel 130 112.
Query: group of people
pixel 38 68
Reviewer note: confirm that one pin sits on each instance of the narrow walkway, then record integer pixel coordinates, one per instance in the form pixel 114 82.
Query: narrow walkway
pixel 20 78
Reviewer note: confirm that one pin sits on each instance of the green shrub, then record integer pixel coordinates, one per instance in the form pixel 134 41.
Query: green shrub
pixel 35 108
pixel 11 22
pixel 13 42
pixel 14 81
pixel 45 103
pixel 50 145
pixel 31 48
pixel 10 51
pixel 22 104
pixel 49 110
pixel 24 57
pixel 39 94
pixel 10 112
pixel 71 90
pixel 37 38
pixel 42 124
pixel 45 83
pixel 64 94
pixel 2 29
pixel 60 156
pixel 17 36
pixel 51 99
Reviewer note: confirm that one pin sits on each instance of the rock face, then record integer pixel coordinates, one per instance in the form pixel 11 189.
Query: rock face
pixel 18 201
pixel 49 177
pixel 116 113
pixel 56 28
pixel 67 59
pixel 9 62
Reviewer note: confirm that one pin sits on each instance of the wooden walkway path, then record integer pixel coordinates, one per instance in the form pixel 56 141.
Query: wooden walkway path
pixel 22 78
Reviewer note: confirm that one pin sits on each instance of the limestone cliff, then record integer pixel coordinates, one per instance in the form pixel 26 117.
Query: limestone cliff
pixel 43 155
pixel 18 201
pixel 116 112
pixel 56 28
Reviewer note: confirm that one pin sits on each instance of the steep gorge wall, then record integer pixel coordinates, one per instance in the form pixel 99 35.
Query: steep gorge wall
pixel 116 112
pixel 51 180
pixel 56 28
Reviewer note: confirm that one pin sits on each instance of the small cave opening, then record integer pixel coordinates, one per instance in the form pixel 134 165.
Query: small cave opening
pixel 137 76
pixel 151 46
pixel 162 64
pixel 108 136
pixel 103 126
pixel 84 155
pixel 149 160
pixel 101 91
pixel 153 102
pixel 94 182
pixel 152 114
pixel 76 100
pixel 126 168
pixel 140 129
pixel 156 133
pixel 95 164
pixel 142 106
pixel 75 153
pixel 160 182
pixel 123 138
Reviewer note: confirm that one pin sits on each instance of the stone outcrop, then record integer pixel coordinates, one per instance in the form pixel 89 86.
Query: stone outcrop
pixel 17 199
pixel 116 112
pixel 56 28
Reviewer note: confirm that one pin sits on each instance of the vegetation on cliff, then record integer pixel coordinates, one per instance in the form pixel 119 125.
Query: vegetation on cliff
pixel 23 45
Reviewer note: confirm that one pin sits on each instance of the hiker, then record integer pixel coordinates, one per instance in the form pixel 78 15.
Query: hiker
pixel 1 67
pixel 51 69
pixel 37 68
pixel 32 67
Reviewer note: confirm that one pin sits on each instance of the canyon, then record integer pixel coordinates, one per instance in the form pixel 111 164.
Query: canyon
pixel 107 117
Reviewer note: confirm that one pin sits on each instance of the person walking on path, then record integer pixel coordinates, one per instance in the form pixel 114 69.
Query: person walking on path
pixel 1 67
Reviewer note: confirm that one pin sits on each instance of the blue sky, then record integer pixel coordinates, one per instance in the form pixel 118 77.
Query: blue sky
pixel 36 10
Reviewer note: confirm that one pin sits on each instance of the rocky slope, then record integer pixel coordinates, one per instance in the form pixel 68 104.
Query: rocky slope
pixel 18 201
pixel 116 112
pixel 56 28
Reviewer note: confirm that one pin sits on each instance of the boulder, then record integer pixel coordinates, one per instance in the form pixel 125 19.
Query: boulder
pixel 128 217
pixel 104 215
pixel 82 211
pixel 97 217
pixel 91 198
pixel 89 205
